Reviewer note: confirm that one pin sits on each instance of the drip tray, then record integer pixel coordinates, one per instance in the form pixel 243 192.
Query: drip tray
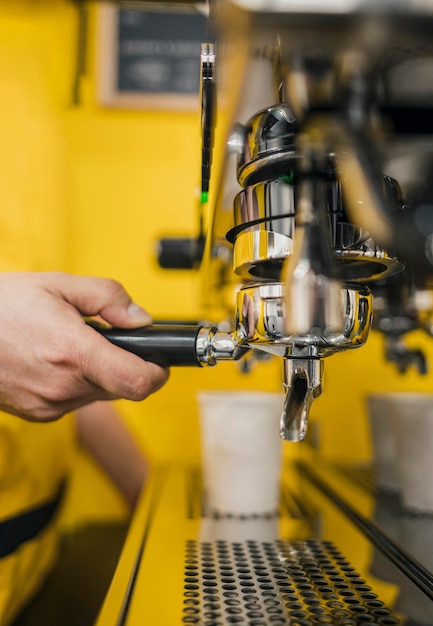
pixel 255 583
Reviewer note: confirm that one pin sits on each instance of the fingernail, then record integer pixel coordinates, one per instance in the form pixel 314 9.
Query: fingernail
pixel 137 313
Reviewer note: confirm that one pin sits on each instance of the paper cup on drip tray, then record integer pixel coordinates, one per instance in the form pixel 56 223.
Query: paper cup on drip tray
pixel 383 441
pixel 241 451
pixel 412 415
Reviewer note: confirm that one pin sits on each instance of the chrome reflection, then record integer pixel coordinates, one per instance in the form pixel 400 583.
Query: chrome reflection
pixel 261 319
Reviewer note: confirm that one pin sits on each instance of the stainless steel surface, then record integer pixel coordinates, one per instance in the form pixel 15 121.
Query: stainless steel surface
pixel 261 319
pixel 255 583
pixel 264 228
pixel 302 383
pixel 271 202
pixel 213 346
pixel 261 322
pixel 264 232
pixel 312 287
pixel 260 253
pixel 413 564
pixel 399 309
pixel 268 149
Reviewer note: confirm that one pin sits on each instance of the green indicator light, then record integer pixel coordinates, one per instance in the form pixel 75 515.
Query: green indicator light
pixel 287 178
pixel 204 195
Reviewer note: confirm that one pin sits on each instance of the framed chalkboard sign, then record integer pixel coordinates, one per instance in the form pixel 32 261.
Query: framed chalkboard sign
pixel 149 55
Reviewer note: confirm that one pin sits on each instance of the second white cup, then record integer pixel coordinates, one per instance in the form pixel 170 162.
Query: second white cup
pixel 383 440
pixel 412 415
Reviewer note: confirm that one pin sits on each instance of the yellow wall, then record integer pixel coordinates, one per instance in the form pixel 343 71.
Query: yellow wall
pixel 122 179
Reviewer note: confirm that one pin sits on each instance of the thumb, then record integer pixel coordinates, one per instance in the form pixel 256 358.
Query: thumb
pixel 104 297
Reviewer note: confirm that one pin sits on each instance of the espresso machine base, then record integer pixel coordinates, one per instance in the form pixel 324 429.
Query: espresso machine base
pixel 329 555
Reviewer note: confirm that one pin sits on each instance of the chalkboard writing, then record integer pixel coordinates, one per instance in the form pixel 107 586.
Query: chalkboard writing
pixel 149 57
pixel 159 51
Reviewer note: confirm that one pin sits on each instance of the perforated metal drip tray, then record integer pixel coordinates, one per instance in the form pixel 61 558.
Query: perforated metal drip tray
pixel 254 583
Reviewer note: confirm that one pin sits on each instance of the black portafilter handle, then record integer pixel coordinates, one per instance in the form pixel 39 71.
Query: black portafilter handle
pixel 163 344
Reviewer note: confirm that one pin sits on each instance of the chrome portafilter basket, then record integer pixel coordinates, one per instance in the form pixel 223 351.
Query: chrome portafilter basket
pixel 262 323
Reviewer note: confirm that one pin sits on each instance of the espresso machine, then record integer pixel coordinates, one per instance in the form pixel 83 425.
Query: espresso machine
pixel 317 122
pixel 304 110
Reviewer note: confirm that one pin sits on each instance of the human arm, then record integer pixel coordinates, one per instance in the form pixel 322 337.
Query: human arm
pixel 105 437
pixel 51 361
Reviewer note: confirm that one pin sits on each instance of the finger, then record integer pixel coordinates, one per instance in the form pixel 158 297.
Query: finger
pixel 104 297
pixel 117 371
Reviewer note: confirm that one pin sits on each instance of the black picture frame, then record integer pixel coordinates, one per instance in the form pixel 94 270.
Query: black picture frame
pixel 149 56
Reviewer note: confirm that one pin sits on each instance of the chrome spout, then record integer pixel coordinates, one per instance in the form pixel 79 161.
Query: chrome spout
pixel 302 383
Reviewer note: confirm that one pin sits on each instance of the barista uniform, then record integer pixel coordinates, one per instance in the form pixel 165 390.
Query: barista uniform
pixel 34 457
pixel 33 475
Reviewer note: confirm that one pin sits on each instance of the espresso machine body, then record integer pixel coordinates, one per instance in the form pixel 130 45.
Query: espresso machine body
pixel 307 109
pixel 321 109
pixel 316 152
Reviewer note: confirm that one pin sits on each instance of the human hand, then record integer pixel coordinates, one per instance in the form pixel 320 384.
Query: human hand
pixel 51 361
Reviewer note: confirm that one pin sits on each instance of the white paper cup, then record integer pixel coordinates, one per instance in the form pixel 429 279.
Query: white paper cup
pixel 241 451
pixel 413 422
pixel 383 440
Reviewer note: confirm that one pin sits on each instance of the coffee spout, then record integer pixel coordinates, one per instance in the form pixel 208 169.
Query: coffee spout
pixel 302 383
